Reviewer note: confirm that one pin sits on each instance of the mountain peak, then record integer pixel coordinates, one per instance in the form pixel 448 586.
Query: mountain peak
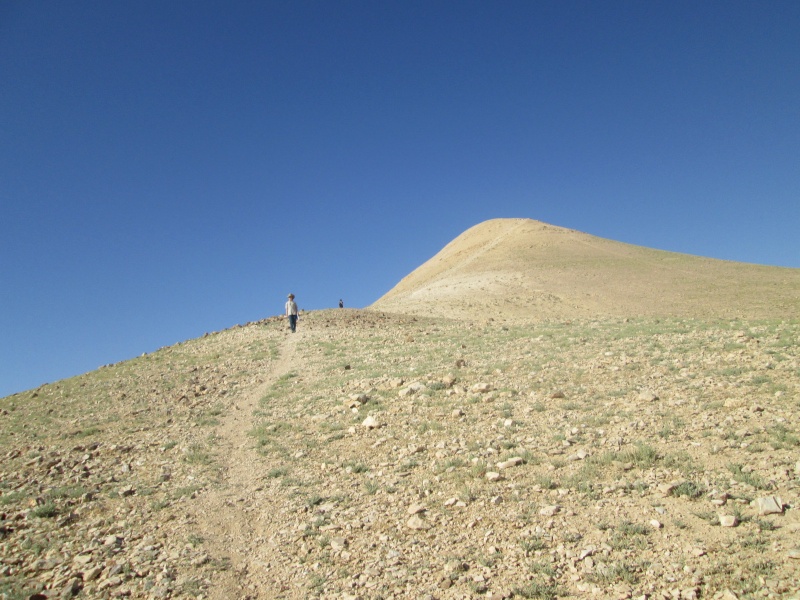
pixel 527 269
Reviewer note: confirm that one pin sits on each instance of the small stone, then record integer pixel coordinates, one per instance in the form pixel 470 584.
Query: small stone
pixel 728 520
pixel 647 396
pixel 415 509
pixel 511 462
pixel 769 505
pixel 92 573
pixel 457 412
pixel 200 560
pixel 493 476
pixel 370 423
pixel 416 523
pixel 794 553
pixel 557 395
pixel 666 489
pixel 71 589
pixel 338 544
pixel 481 388
pixel 655 524
pixel 549 511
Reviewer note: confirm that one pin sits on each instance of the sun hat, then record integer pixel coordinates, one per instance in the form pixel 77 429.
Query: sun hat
pixel 290 296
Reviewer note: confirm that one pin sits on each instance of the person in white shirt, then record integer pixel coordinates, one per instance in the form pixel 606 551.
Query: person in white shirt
pixel 291 312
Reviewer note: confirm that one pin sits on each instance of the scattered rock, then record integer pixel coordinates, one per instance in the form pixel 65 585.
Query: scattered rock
pixel 549 511
pixel 666 489
pixel 511 462
pixel 415 509
pixel 769 505
pixel 417 523
pixel 370 423
pixel 728 520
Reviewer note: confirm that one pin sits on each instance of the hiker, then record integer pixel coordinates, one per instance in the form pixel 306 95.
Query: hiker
pixel 291 312
pixel 341 304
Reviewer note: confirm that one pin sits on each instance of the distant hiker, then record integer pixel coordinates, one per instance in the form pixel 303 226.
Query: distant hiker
pixel 341 304
pixel 291 312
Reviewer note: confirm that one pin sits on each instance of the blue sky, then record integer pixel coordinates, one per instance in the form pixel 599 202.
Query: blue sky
pixel 172 168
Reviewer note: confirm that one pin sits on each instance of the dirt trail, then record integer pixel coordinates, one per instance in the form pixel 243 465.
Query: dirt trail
pixel 224 516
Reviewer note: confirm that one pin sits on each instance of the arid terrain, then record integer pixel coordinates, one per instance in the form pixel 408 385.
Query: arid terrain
pixel 597 428
pixel 520 269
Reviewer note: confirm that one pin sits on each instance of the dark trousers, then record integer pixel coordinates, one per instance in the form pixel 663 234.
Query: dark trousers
pixel 293 322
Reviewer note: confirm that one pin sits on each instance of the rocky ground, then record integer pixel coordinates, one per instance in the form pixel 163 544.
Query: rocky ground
pixel 381 456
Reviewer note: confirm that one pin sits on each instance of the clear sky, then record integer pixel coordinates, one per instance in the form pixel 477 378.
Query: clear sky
pixel 172 168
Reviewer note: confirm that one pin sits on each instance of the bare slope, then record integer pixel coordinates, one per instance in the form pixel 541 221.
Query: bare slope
pixel 390 456
pixel 520 268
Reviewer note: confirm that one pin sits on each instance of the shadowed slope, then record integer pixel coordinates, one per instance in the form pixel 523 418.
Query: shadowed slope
pixel 523 268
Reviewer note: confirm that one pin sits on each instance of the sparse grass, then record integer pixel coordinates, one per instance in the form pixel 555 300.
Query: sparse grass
pixel 276 472
pixel 11 498
pixel 540 590
pixel 47 510
pixel 689 489
pixel 627 572
pixel 641 455
pixel 429 426
pixel 781 437
pixel 268 436
pixel 478 469
pixel 353 466
pixel 742 475
pixel 197 454
pixel 314 500
pixel 628 535
pixel 546 483
pixel 532 544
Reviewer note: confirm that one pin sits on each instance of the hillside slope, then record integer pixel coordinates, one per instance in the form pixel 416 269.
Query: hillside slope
pixel 391 456
pixel 525 269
